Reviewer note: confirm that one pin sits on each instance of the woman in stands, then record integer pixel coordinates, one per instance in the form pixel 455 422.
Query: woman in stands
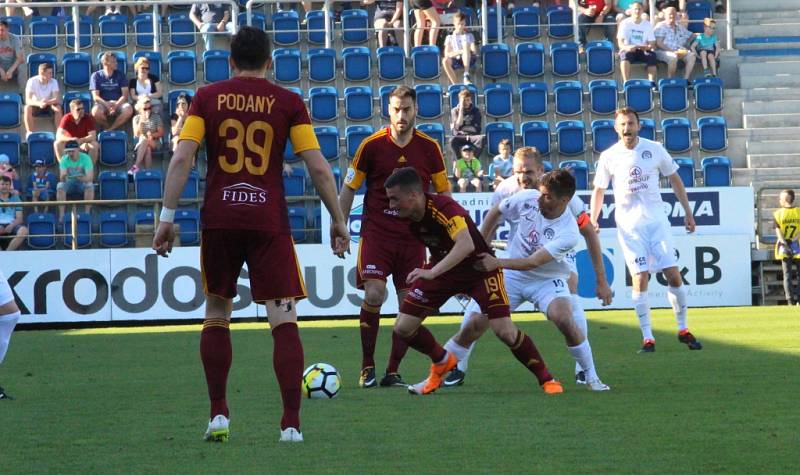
pixel 148 130
pixel 145 84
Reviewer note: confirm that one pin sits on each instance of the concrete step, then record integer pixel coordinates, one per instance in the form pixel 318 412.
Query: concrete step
pixel 773 147
pixel 761 95
pixel 771 120
pixel 776 160
pixel 772 81
pixel 749 9
pixel 771 107
pixel 769 68
pixel 773 49
pixel 767 17
pixel 767 134
pixel 748 176
pixel 766 28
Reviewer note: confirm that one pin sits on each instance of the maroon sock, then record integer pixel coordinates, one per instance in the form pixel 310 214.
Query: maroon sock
pixel 287 359
pixel 370 323
pixel 527 354
pixel 216 354
pixel 399 349
pixel 424 342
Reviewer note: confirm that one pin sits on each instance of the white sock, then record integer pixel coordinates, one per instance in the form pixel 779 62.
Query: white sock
pixel 677 298
pixel 642 307
pixel 7 324
pixel 457 350
pixel 463 363
pixel 580 320
pixel 583 356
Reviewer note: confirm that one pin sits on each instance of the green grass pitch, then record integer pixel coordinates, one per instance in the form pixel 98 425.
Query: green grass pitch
pixel 134 401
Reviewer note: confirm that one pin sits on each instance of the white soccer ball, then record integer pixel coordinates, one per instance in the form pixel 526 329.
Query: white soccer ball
pixel 321 381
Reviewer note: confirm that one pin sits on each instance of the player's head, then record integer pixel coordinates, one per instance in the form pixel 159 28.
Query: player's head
pixel 527 166
pixel 557 188
pixel 404 190
pixel 250 50
pixel 626 123
pixel 786 198
pixel 402 109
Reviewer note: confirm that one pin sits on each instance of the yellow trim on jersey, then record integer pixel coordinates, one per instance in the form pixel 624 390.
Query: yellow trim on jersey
pixel 360 150
pixel 440 182
pixel 453 225
pixel 194 129
pixel 303 138
pixel 355 177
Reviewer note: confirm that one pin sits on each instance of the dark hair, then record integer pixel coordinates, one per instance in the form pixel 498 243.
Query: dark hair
pixel 559 182
pixel 402 92
pixel 250 49
pixel 790 194
pixel 626 111
pixel 185 97
pixel 406 178
pixel 4 23
pixel 5 177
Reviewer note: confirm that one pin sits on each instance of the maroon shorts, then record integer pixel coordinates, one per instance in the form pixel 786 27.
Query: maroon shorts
pixel 487 288
pixel 271 263
pixel 377 259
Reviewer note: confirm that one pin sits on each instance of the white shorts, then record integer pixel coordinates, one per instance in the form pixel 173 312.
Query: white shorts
pixel 648 248
pixel 540 293
pixel 5 290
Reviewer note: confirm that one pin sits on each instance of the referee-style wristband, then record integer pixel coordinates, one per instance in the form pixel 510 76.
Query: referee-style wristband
pixel 167 215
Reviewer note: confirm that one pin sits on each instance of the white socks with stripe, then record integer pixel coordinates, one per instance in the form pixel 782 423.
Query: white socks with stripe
pixel 583 357
pixel 642 308
pixel 677 298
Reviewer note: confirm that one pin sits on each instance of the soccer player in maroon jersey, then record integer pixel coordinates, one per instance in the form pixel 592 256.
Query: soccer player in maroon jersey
pixel 386 245
pixel 456 246
pixel 246 122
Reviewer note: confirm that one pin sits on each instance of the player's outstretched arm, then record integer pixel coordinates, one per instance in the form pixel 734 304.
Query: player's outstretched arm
pixel 462 247
pixel 346 197
pixel 177 174
pixel 683 198
pixel 490 222
pixel 322 177
pixel 595 206
pixel 603 291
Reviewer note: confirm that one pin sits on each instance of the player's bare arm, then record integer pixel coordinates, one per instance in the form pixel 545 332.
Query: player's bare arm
pixel 489 263
pixel 603 291
pixel 177 174
pixel 322 177
pixel 595 206
pixel 462 247
pixel 683 198
pixel 491 222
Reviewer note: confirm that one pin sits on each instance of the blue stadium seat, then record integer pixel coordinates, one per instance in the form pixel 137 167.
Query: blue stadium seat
pixel 297 221
pixel 189 222
pixel 328 137
pixel 295 184
pixel 536 133
pixel 708 94
pixel 497 131
pixel 16 24
pixel 324 103
pixel 144 217
pixel 647 129
pixel 496 60
pixel 425 61
pixel 603 96
pixel 85 30
pixel 148 184
pixel 257 20
pixel 84 229
pixel 564 57
pixel 295 90
pixel 286 64
pixel 391 63
pixel 499 98
pixel 173 95
pixel 685 170
pixel 571 137
pixel 358 103
pixel 286 24
pixel 10 106
pixel 712 133
pixel 77 69
pixel 530 59
pixel 315 26
pixel 638 95
pixel 716 171
pixel 122 62
pixel 113 31
pixel 40 147
pixel 44 32
pixel 429 101
pixel 41 230
pixel 434 130
pixel 84 96
pixel 10 147
pixel 182 66
pixel 113 147
pixel 113 227
pixel 677 134
pixel 181 30
pixel 113 185
pixel 697 11
pixel 355 26
pixel 559 18
pixel 568 97
pixel 580 170
pixel 491 20
pixel 155 61
pixel 321 64
pixel 548 167
pixel 216 66
pixel 603 135
pixel 383 93
pixel 192 188
pixel 354 135
pixel 454 89
pixel 600 58
pixel 35 59
pixel 674 95
pixel 143 29
pixel 526 22
pixel 533 98
pixel 356 63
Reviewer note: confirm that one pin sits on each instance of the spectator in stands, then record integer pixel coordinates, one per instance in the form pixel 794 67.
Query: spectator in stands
pixel 662 5
pixel 78 126
pixel 636 43
pixel 11 57
pixel 787 249
pixel 211 17
pixel 595 11
pixel 503 164
pixel 465 124
pixel 460 50
pixel 147 130
pixel 178 119
pixel 6 168
pixel 426 18
pixel 145 84
pixel 672 43
pixel 622 9
pixel 111 109
pixel 468 170
pixel 41 183
pixel 706 45
pixel 42 97
pixel 76 175
pixel 387 20
pixel 12 231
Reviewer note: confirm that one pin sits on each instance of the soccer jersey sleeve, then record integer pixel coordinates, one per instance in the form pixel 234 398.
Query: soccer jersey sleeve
pixel 510 207
pixel 666 165
pixel 452 221
pixel 577 208
pixel 602 176
pixel 561 245
pixel 439 173
pixel 194 128
pixel 357 171
pixel 301 132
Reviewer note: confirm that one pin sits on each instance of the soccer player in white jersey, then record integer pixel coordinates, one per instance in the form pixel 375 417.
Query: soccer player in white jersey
pixel 528 168
pixel 537 267
pixel 9 315
pixel 634 166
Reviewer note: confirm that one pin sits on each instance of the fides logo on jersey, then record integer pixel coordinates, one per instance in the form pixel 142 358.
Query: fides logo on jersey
pixel 704 206
pixel 244 194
